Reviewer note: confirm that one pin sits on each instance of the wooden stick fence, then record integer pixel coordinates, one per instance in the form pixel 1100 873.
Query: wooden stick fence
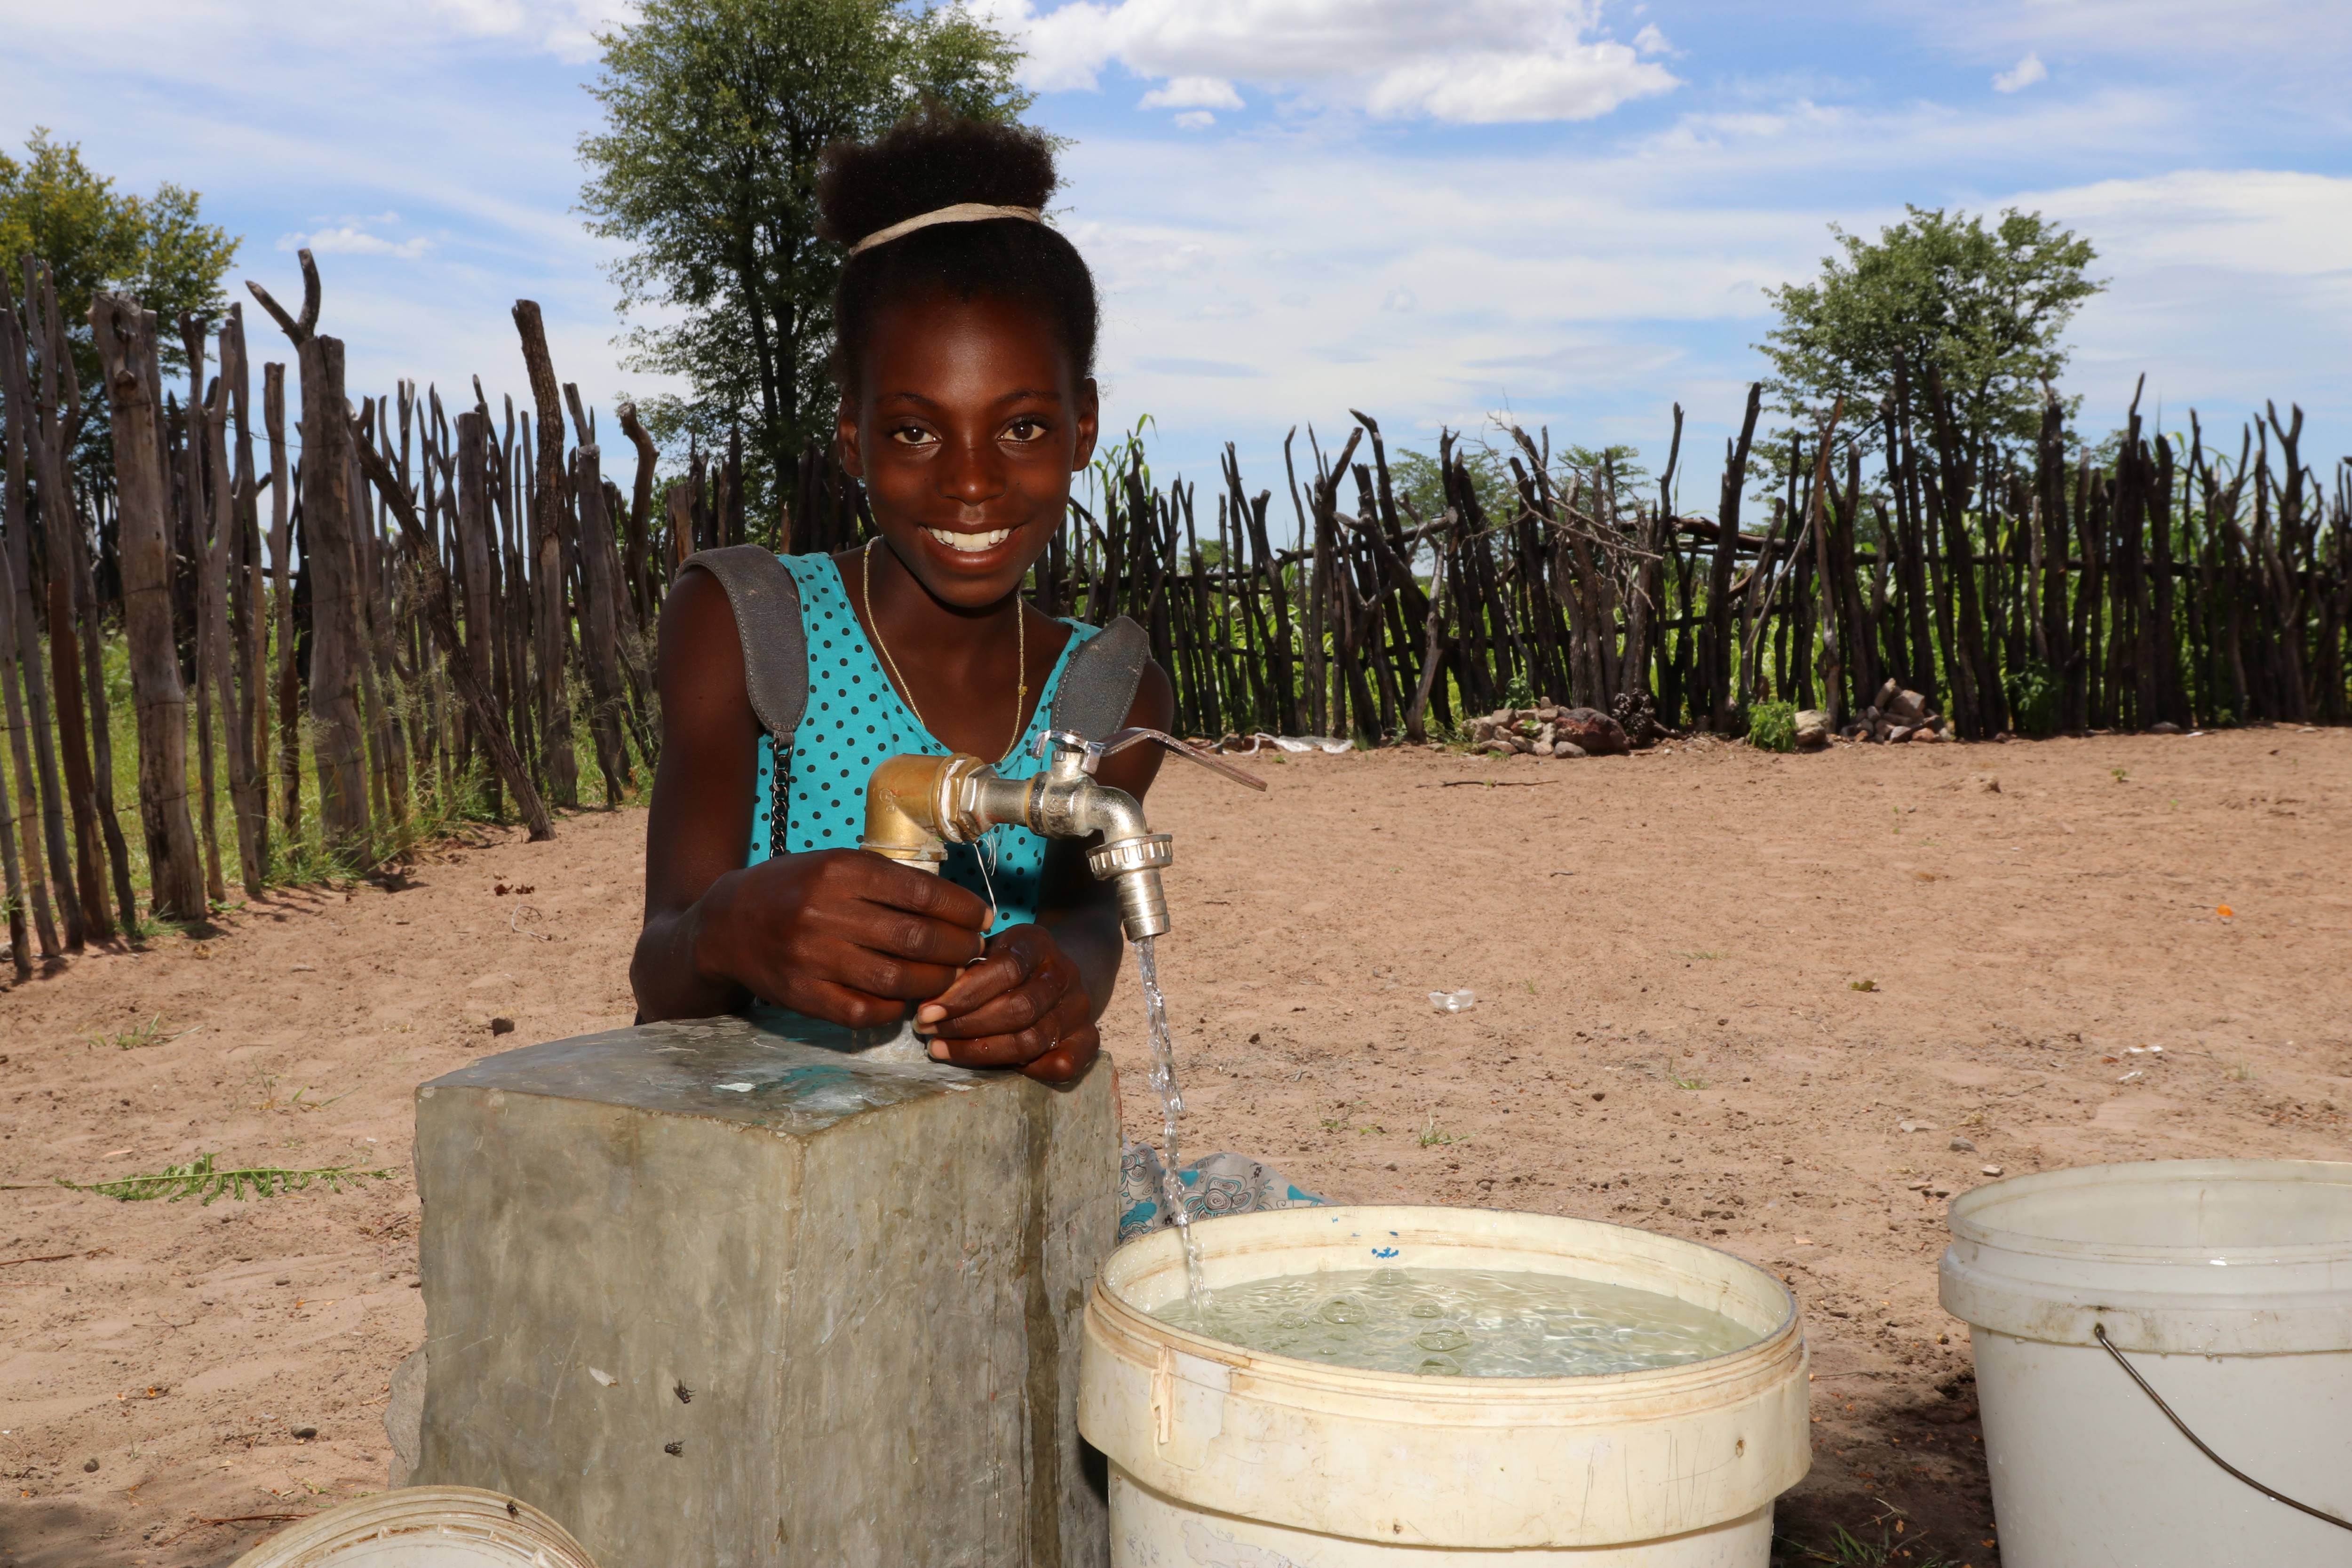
pixel 446 608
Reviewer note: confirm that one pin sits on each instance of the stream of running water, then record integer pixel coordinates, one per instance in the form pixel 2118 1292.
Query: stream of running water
pixel 1172 1106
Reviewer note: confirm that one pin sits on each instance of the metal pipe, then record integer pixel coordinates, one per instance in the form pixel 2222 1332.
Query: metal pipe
pixel 902 814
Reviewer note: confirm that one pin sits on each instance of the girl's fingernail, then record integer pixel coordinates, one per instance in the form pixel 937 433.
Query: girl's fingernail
pixel 938 1051
pixel 930 1013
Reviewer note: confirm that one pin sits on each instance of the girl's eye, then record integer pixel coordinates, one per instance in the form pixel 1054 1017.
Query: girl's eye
pixel 1026 429
pixel 912 436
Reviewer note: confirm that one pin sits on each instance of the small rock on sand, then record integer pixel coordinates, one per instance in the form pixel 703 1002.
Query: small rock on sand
pixel 1596 731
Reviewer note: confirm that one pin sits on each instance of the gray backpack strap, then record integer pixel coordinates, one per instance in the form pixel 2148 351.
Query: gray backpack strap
pixel 1098 683
pixel 767 604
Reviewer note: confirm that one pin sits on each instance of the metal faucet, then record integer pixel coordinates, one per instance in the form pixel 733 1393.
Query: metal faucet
pixel 916 805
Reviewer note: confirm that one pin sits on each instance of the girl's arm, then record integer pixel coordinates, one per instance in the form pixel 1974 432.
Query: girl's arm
pixel 836 934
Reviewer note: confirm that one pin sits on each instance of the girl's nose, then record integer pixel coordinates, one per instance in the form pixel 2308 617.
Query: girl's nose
pixel 974 473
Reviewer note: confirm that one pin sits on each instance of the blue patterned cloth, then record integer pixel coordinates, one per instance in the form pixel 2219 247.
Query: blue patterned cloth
pixel 856 718
pixel 1214 1185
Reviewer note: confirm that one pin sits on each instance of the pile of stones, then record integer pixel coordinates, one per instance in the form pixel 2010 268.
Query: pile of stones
pixel 1549 731
pixel 1898 716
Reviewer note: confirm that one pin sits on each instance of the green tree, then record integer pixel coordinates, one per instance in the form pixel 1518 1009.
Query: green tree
pixel 55 207
pixel 715 114
pixel 1984 307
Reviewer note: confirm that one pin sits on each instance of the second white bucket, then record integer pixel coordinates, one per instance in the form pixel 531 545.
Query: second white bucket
pixel 1225 1457
pixel 2227 1286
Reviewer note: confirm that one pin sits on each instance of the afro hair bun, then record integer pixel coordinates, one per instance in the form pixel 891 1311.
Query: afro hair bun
pixel 930 160
pixel 934 159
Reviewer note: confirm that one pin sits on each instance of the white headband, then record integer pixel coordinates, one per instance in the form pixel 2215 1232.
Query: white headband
pixel 962 212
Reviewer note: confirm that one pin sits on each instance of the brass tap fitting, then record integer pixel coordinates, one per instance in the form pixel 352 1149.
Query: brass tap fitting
pixel 916 805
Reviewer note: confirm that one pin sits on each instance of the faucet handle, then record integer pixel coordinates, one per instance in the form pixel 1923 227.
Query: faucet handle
pixel 1118 742
pixel 1089 752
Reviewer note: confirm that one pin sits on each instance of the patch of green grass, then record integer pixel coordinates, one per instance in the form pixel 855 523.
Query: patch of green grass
pixel 2033 695
pixel 201 1180
pixel 1679 1081
pixel 1704 953
pixel 1433 1134
pixel 2121 775
pixel 1773 726
pixel 1861 985
pixel 2241 1072
pixel 150 1032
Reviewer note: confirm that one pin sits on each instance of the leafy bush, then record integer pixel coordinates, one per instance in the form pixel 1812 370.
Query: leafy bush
pixel 1773 726
pixel 2033 695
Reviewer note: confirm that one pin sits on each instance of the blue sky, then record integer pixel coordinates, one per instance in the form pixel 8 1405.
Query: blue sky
pixel 1436 213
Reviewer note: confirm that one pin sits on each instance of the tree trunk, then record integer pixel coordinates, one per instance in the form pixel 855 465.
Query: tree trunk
pixel 15 613
pixel 1715 655
pixel 126 341
pixel 600 625
pixel 474 561
pixel 546 563
pixel 288 682
pixel 219 565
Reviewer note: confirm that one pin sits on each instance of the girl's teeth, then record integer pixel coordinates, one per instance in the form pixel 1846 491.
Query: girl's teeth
pixel 971 544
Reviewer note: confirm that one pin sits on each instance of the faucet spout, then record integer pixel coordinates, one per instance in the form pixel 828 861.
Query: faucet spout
pixel 1130 858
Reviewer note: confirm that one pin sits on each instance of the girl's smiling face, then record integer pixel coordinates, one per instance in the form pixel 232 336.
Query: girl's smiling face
pixel 966 427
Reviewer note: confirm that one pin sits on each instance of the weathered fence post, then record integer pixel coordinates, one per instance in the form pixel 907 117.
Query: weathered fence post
pixel 330 562
pixel 126 344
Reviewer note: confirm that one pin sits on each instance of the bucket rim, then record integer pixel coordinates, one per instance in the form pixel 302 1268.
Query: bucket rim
pixel 1966 1226
pixel 1137 1323
pixel 472 1510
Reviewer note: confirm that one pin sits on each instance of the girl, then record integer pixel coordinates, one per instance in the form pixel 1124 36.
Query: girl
pixel 965 331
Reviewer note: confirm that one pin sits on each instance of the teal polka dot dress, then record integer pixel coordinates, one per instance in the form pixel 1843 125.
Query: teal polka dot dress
pixel 855 720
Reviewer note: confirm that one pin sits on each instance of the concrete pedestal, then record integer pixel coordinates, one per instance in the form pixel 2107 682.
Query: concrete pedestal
pixel 710 1294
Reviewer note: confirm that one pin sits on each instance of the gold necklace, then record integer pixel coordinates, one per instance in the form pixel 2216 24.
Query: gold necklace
pixel 1020 644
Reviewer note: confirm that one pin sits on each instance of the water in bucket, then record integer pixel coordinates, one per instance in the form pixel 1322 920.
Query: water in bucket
pixel 1460 1322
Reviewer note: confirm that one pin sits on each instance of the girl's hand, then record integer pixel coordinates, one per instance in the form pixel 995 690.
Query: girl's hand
pixel 1024 1005
pixel 839 934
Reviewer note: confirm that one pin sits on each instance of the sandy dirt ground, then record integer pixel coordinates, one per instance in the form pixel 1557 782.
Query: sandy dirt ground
pixel 1782 1005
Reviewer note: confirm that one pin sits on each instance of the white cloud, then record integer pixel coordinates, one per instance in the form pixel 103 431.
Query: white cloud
pixel 1192 92
pixel 238 30
pixel 565 28
pixel 1195 120
pixel 1568 81
pixel 1476 62
pixel 1280 265
pixel 2022 75
pixel 348 239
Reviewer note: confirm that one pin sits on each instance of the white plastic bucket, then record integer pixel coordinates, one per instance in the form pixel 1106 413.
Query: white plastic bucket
pixel 1224 1458
pixel 423 1526
pixel 2227 1284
